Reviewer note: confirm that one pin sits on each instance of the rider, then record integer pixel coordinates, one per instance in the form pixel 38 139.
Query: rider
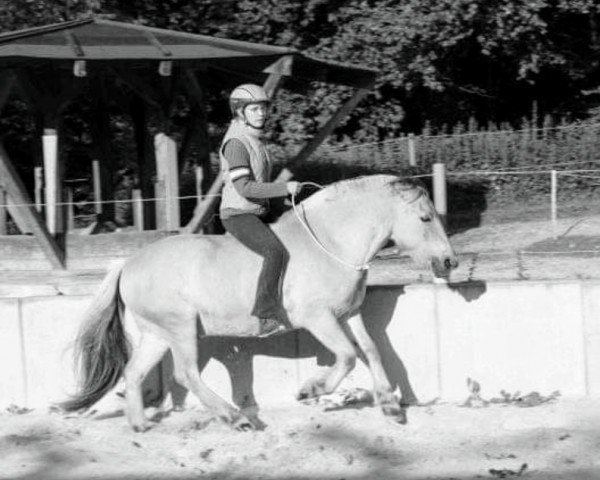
pixel 247 188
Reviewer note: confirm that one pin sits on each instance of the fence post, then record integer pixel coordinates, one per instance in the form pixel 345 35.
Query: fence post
pixel 553 206
pixel 439 190
pixel 199 174
pixel 38 189
pixel 97 181
pixel 160 196
pixel 70 210
pixel 412 157
pixel 138 209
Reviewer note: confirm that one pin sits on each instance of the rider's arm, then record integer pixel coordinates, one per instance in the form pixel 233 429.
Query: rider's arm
pixel 240 172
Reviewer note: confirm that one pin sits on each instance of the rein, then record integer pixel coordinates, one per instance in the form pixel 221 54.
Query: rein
pixel 359 268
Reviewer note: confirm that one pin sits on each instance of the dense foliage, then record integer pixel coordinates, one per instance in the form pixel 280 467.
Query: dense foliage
pixel 441 61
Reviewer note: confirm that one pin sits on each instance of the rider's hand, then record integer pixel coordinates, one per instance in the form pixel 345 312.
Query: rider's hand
pixel 293 187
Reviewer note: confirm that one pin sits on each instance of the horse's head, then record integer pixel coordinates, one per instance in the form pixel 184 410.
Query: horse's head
pixel 418 229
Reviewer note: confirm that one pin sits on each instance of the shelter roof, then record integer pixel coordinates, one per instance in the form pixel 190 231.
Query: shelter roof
pixel 95 39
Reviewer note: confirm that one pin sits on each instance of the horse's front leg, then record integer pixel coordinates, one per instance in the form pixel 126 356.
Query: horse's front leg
pixel 185 357
pixel 382 388
pixel 326 328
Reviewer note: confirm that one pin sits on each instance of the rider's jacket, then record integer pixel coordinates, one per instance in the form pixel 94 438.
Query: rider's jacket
pixel 231 201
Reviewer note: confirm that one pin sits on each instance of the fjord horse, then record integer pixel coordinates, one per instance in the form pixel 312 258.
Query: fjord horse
pixel 188 286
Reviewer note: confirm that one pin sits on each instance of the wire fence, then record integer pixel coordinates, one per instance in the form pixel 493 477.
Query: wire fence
pixel 83 212
pixel 479 166
pixel 577 173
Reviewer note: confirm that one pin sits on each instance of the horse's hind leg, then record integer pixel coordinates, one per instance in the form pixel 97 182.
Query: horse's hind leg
pixel 328 331
pixel 146 354
pixel 381 385
pixel 185 356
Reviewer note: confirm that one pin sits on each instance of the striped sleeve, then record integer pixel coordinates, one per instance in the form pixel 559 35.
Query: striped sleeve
pixel 238 159
pixel 239 172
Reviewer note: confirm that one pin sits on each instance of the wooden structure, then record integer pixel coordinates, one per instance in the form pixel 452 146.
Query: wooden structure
pixel 140 70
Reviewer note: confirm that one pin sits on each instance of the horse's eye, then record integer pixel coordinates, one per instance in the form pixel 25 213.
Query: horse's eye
pixel 426 218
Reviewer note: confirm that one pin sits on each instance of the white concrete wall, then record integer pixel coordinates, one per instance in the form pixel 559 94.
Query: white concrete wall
pixel 519 336
pixel 36 334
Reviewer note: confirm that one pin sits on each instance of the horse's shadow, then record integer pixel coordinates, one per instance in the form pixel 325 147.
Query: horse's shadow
pixel 236 354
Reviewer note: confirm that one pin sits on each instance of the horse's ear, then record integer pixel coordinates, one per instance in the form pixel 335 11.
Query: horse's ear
pixel 407 189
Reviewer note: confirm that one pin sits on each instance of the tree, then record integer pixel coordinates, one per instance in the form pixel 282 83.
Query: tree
pixel 440 61
pixel 446 60
pixel 19 14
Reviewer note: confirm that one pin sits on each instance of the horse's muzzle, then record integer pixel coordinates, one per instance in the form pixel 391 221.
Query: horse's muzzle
pixel 442 266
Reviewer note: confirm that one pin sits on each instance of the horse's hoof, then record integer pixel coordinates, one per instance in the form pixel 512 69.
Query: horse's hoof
pixel 141 427
pixel 257 423
pixel 396 412
pixel 310 391
pixel 300 396
pixel 244 427
pixel 243 424
pixel 409 401
pixel 391 409
pixel 307 398
pixel 358 396
pixel 237 421
pixel 401 418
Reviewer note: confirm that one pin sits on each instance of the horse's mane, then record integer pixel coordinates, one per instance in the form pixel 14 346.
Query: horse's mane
pixel 342 188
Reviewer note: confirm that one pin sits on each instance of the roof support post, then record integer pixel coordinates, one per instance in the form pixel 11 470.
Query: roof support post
pixel 7 83
pixel 16 214
pixel 10 181
pixel 199 130
pixel 145 162
pixel 100 127
pixel 199 127
pixel 323 132
pixel 281 68
pixel 167 181
pixel 274 81
pixel 52 177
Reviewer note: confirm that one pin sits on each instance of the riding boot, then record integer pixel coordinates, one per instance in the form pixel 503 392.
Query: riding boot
pixel 269 326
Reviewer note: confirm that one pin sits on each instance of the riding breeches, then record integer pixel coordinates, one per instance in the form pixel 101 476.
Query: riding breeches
pixel 258 237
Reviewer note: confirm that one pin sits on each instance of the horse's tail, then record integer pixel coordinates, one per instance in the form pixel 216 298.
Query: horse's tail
pixel 101 349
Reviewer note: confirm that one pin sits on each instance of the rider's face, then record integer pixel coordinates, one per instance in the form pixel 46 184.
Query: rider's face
pixel 256 114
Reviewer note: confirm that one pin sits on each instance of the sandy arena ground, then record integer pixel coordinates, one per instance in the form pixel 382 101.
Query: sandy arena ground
pixel 559 439
pixel 334 439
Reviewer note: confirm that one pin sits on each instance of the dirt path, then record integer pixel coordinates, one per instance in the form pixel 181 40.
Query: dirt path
pixel 556 440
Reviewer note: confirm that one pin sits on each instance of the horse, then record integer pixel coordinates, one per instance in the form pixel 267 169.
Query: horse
pixel 188 286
